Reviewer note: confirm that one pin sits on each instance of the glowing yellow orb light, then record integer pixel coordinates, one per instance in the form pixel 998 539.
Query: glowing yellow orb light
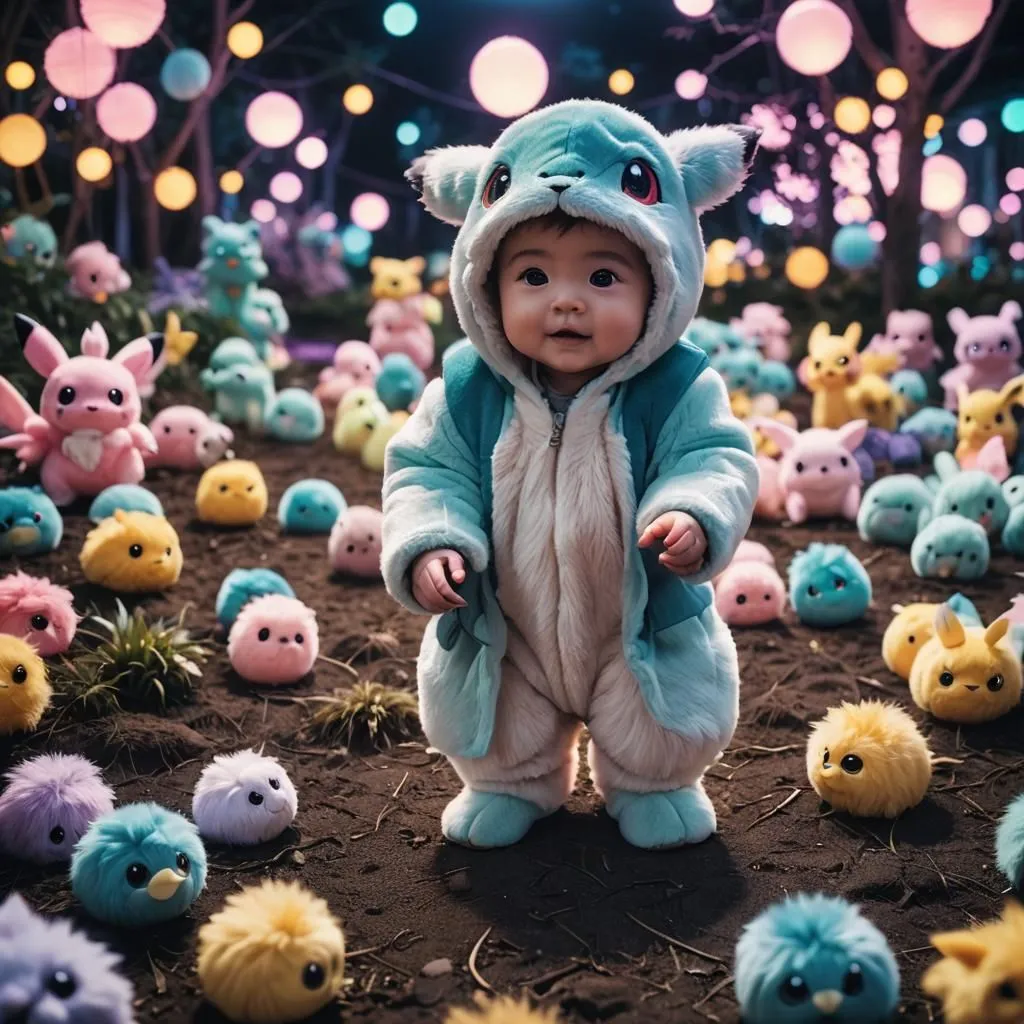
pixel 737 273
pixel 852 115
pixel 231 182
pixel 245 40
pixel 721 250
pixel 93 163
pixel 22 140
pixel 621 82
pixel 20 75
pixel 806 267
pixel 174 188
pixel 508 76
pixel 357 99
pixel 891 83
pixel 933 125
pixel 715 274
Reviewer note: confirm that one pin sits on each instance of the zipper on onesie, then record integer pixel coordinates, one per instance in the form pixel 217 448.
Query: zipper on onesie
pixel 557 426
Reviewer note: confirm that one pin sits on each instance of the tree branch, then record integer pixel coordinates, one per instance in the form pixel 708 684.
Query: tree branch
pixel 981 51
pixel 872 55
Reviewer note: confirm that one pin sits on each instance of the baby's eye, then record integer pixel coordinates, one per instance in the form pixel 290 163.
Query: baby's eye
pixel 534 276
pixel 603 278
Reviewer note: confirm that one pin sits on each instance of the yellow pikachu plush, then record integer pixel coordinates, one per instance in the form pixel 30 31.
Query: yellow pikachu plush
pixel 966 674
pixel 832 364
pixel 985 414
pixel 396 279
pixel 372 455
pixel 872 398
pixel 911 628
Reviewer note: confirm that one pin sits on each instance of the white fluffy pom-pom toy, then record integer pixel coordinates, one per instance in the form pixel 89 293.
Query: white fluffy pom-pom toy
pixel 243 798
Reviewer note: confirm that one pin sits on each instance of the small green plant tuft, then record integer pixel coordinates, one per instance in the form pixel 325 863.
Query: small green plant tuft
pixel 368 714
pixel 134 665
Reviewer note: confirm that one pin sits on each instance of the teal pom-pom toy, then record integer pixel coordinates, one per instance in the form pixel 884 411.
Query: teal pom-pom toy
pixel 128 497
pixel 893 509
pixel 138 865
pixel 30 523
pixel 310 506
pixel 738 368
pixel 950 547
pixel 911 386
pixel 972 493
pixel 400 382
pixel 1010 843
pixel 240 586
pixel 295 415
pixel 828 586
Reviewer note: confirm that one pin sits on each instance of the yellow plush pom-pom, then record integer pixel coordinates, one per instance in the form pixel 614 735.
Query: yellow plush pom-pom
pixel 501 1010
pixel 24 688
pixel 132 553
pixel 232 493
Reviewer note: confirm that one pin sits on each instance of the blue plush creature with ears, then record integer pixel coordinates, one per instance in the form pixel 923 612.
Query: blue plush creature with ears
pixel 30 523
pixel 400 382
pixel 241 585
pixel 776 379
pixel 828 586
pixel 310 506
pixel 1013 490
pixel 971 493
pixel 814 958
pixel 950 547
pixel 934 428
pixel 911 386
pixel 1013 532
pixel 891 510
pixel 739 368
pixel 713 338
pixel 295 415
pixel 231 352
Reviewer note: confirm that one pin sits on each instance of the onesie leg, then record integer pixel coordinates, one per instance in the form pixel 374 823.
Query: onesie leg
pixel 527 773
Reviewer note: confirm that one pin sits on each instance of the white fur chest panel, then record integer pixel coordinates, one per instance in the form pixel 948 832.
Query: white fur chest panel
pixel 557 535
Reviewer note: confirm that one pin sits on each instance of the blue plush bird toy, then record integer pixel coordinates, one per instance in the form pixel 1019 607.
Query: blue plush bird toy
pixel 139 865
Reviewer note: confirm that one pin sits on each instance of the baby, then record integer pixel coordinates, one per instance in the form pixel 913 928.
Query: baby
pixel 561 497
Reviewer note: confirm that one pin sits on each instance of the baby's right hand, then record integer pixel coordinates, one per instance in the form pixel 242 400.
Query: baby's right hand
pixel 432 586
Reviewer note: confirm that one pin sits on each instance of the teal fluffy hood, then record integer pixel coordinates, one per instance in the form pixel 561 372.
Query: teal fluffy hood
pixel 573 156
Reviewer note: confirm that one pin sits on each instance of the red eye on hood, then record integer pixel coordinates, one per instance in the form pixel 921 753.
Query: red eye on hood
pixel 497 185
pixel 641 183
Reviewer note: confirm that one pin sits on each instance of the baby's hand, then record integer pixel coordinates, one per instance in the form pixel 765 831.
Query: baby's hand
pixel 684 540
pixel 432 586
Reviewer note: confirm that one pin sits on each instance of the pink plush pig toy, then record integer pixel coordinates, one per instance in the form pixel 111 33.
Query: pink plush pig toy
pixel 765 325
pixel 817 472
pixel 37 611
pixel 187 438
pixel 355 365
pixel 274 640
pixel 750 592
pixel 96 273
pixel 87 434
pixel 987 351
pixel 398 325
pixel 355 542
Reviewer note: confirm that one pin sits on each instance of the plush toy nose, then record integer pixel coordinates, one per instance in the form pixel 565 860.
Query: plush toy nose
pixel 164 884
pixel 827 1002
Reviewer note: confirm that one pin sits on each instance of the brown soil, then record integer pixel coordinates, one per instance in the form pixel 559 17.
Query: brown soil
pixel 572 914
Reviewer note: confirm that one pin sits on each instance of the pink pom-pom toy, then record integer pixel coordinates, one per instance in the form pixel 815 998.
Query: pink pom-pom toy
pixel 186 438
pixel 48 805
pixel 38 611
pixel 750 592
pixel 356 365
pixel 354 545
pixel 274 640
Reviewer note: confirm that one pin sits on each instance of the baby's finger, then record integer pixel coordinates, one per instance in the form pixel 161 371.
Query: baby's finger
pixel 684 566
pixel 687 542
pixel 680 528
pixel 432 600
pixel 456 568
pixel 657 529
pixel 442 586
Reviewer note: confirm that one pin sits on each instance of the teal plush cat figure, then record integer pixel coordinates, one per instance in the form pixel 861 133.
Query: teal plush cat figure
pixel 550 505
pixel 232 263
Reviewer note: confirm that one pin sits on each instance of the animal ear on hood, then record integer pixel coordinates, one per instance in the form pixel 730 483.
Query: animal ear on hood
pixel 948 627
pixel 713 160
pixel 446 179
pixel 43 352
pixel 964 946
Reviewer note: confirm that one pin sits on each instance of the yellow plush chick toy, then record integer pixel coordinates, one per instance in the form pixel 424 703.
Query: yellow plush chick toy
pixel 132 553
pixel 984 414
pixel 24 688
pixel 869 760
pixel 273 955
pixel 966 674
pixel 872 398
pixel 980 978
pixel 396 279
pixel 372 455
pixel 911 628
pixel 355 426
pixel 501 1010
pixel 232 493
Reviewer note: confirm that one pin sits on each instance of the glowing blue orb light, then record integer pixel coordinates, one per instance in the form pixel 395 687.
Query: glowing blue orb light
pixel 185 74
pixel 927 277
pixel 932 145
pixel 356 240
pixel 853 248
pixel 408 133
pixel 1013 115
pixel 400 19
pixel 980 266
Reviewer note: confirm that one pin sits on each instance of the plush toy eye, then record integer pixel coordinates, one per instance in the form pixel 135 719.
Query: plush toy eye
pixel 497 185
pixel 851 764
pixel 167 551
pixel 39 622
pixel 56 835
pixel 911 639
pixel 741 599
pixel 794 991
pixel 817 364
pixel 843 360
pixel 255 798
pixel 274 783
pixel 136 875
pixel 182 863
pixel 66 395
pixel 909 508
pixel 223 488
pixel 990 503
pixel 37 517
pixel 813 591
pixel 20 674
pixel 953 507
pixel 135 551
pixel 995 684
pixel 264 634
pixel 313 976
pixel 946 679
pixel 999 417
pixel 839 583
pixel 853 983
pixel 62 984
pixel 843 461
pixel 167 428
pixel 1004 346
pixel 1008 991
pixel 116 395
pixel 641 183
pixel 350 548
pixel 824 759
pixel 967 419
pixel 799 467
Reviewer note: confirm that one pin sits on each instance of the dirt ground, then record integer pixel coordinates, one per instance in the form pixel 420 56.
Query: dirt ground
pixel 571 915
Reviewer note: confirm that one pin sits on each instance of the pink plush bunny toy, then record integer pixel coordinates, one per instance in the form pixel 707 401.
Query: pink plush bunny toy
pixel 87 434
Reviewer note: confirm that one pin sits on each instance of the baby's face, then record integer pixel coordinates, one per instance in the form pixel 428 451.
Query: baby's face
pixel 574 302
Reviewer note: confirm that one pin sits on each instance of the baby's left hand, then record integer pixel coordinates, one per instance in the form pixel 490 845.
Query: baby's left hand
pixel 684 540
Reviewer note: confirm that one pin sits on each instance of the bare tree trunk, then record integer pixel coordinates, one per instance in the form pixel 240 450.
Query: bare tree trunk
pixel 122 214
pixel 203 143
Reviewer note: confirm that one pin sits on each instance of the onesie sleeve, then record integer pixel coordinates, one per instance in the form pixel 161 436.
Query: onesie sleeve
pixel 704 465
pixel 431 496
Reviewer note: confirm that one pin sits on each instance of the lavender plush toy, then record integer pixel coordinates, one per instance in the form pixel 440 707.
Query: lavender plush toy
pixel 987 351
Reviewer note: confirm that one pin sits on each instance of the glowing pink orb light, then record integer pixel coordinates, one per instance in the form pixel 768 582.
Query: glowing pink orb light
pixel 1015 179
pixel 263 210
pixel 286 186
pixel 943 184
pixel 79 64
pixel 883 116
pixel 876 231
pixel 1017 251
pixel 972 132
pixel 813 36
pixel 755 257
pixel 123 24
pixel 508 76
pixel 974 220
pixel 1010 204
pixel 931 252
pixel 126 112
pixel 947 24
pixel 273 120
pixel 369 211
pixel 311 153
pixel 694 8
pixel 690 84
pixel 327 221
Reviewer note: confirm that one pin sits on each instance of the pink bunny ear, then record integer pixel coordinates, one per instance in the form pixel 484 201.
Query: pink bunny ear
pixel 851 434
pixel 43 352
pixel 957 320
pixel 95 341
pixel 14 410
pixel 138 356
pixel 992 458
pixel 784 436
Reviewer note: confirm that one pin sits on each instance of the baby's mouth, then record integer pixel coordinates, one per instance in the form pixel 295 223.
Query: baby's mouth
pixel 567 333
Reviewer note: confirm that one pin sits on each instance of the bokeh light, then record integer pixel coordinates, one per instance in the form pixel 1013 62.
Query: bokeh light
pixel 263 211
pixel 311 153
pixel 691 84
pixel 126 112
pixel 853 248
pixel 357 99
pixel 185 74
pixel 722 250
pixel 931 252
pixel 694 8
pixel 286 186
pixel 1017 251
pixel 755 257
pixel 400 19
pixel 852 115
pixel 508 76
pixel 933 125
pixel 123 24
pixel 327 221
pixel 972 132
pixel 621 82
pixel 806 267
pixel 93 164
pixel 974 220
pixel 273 119
pixel 947 24
pixel 370 211
pixel 927 277
pixel 883 116
pixel 79 64
pixel 1015 179
pixel 715 274
pixel 175 188
pixel 356 240
pixel 1010 204
pixel 877 230
pixel 19 75
pixel 22 140
pixel 891 83
pixel 245 40
pixel 231 182
pixel 932 146
pixel 813 36
pixel 943 184
pixel 1013 115
pixel 408 133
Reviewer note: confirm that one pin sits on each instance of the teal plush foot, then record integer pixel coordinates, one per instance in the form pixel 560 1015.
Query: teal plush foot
pixel 657 821
pixel 485 820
